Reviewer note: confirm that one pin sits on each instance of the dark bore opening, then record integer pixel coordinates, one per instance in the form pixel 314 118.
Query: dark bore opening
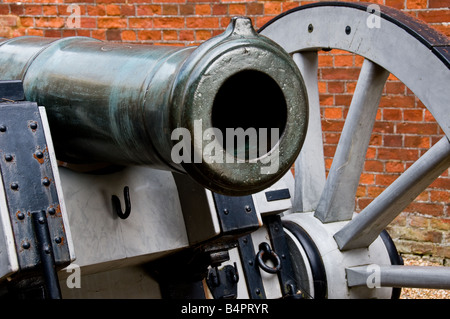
pixel 253 101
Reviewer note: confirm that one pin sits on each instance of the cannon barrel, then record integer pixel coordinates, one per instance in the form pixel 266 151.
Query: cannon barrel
pixel 123 103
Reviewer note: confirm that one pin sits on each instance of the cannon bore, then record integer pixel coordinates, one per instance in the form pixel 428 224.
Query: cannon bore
pixel 231 113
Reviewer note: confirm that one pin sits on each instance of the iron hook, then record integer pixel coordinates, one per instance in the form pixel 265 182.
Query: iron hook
pixel 117 207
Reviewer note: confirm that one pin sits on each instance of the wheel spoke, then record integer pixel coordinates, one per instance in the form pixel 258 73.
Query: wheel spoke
pixel 310 165
pixel 399 276
pixel 338 198
pixel 367 225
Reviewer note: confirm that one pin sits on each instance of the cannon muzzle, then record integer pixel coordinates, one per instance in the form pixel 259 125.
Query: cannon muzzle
pixel 231 113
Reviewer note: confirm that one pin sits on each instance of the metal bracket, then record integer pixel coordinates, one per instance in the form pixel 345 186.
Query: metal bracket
pixel 223 282
pixel 252 274
pixel 29 184
pixel 289 287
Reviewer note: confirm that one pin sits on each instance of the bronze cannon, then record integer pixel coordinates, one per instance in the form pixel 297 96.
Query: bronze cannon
pixel 121 104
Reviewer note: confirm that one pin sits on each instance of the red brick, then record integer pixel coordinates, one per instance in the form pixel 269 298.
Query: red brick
pixel 433 209
pixel 413 115
pixel 187 9
pixel 374 191
pixel 148 10
pixel 331 138
pixel 373 166
pixel 255 8
pixel 367 179
pixel 169 9
pixel 27 21
pixel 336 87
pixel 203 9
pixel 50 22
pixel 395 88
pixel 398 154
pixel 111 22
pixel 50 10
pixel 170 35
pixel 416 4
pixel 434 16
pixel 202 23
pixel 384 127
pixel 440 196
pixel 290 5
pixel 333 113
pixel 325 60
pixel 113 35
pixel 340 74
pixel 128 35
pixel 140 23
pixel 395 167
pixel 417 128
pixel 128 10
pixel 392 140
pixel 438 4
pixel 397 101
pixel 202 35
pixel 86 22
pixel 272 8
pixel 343 99
pixel 236 9
pixel 219 9
pixel 343 60
pixel 186 35
pixel 96 10
pixel 33 10
pixel 173 23
pixel 152 35
pixel 385 179
pixel 398 4
pixel 417 141
pixel 332 126
pixel 8 21
pixel 392 114
pixel 113 10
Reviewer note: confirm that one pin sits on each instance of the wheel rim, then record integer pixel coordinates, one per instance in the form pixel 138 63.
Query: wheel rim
pixel 402 46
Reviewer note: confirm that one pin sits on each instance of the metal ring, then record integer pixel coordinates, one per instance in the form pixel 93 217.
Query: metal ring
pixel 264 254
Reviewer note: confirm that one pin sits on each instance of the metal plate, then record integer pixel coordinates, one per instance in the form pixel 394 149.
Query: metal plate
pixel 29 182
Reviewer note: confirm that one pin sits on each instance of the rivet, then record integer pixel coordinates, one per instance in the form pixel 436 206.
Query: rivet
pixel 39 154
pixel 14 186
pixel 348 29
pixel 46 182
pixel 8 157
pixel 47 250
pixel 250 262
pixel 21 216
pixel 26 245
pixel 248 209
pixel 52 211
pixel 58 240
pixel 258 291
pixel 33 125
pixel 310 28
pixel 226 211
pixel 41 220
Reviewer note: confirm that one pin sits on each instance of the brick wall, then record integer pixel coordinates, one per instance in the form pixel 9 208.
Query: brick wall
pixel 404 129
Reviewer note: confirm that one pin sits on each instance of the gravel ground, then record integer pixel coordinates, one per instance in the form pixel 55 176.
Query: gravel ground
pixel 415 293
